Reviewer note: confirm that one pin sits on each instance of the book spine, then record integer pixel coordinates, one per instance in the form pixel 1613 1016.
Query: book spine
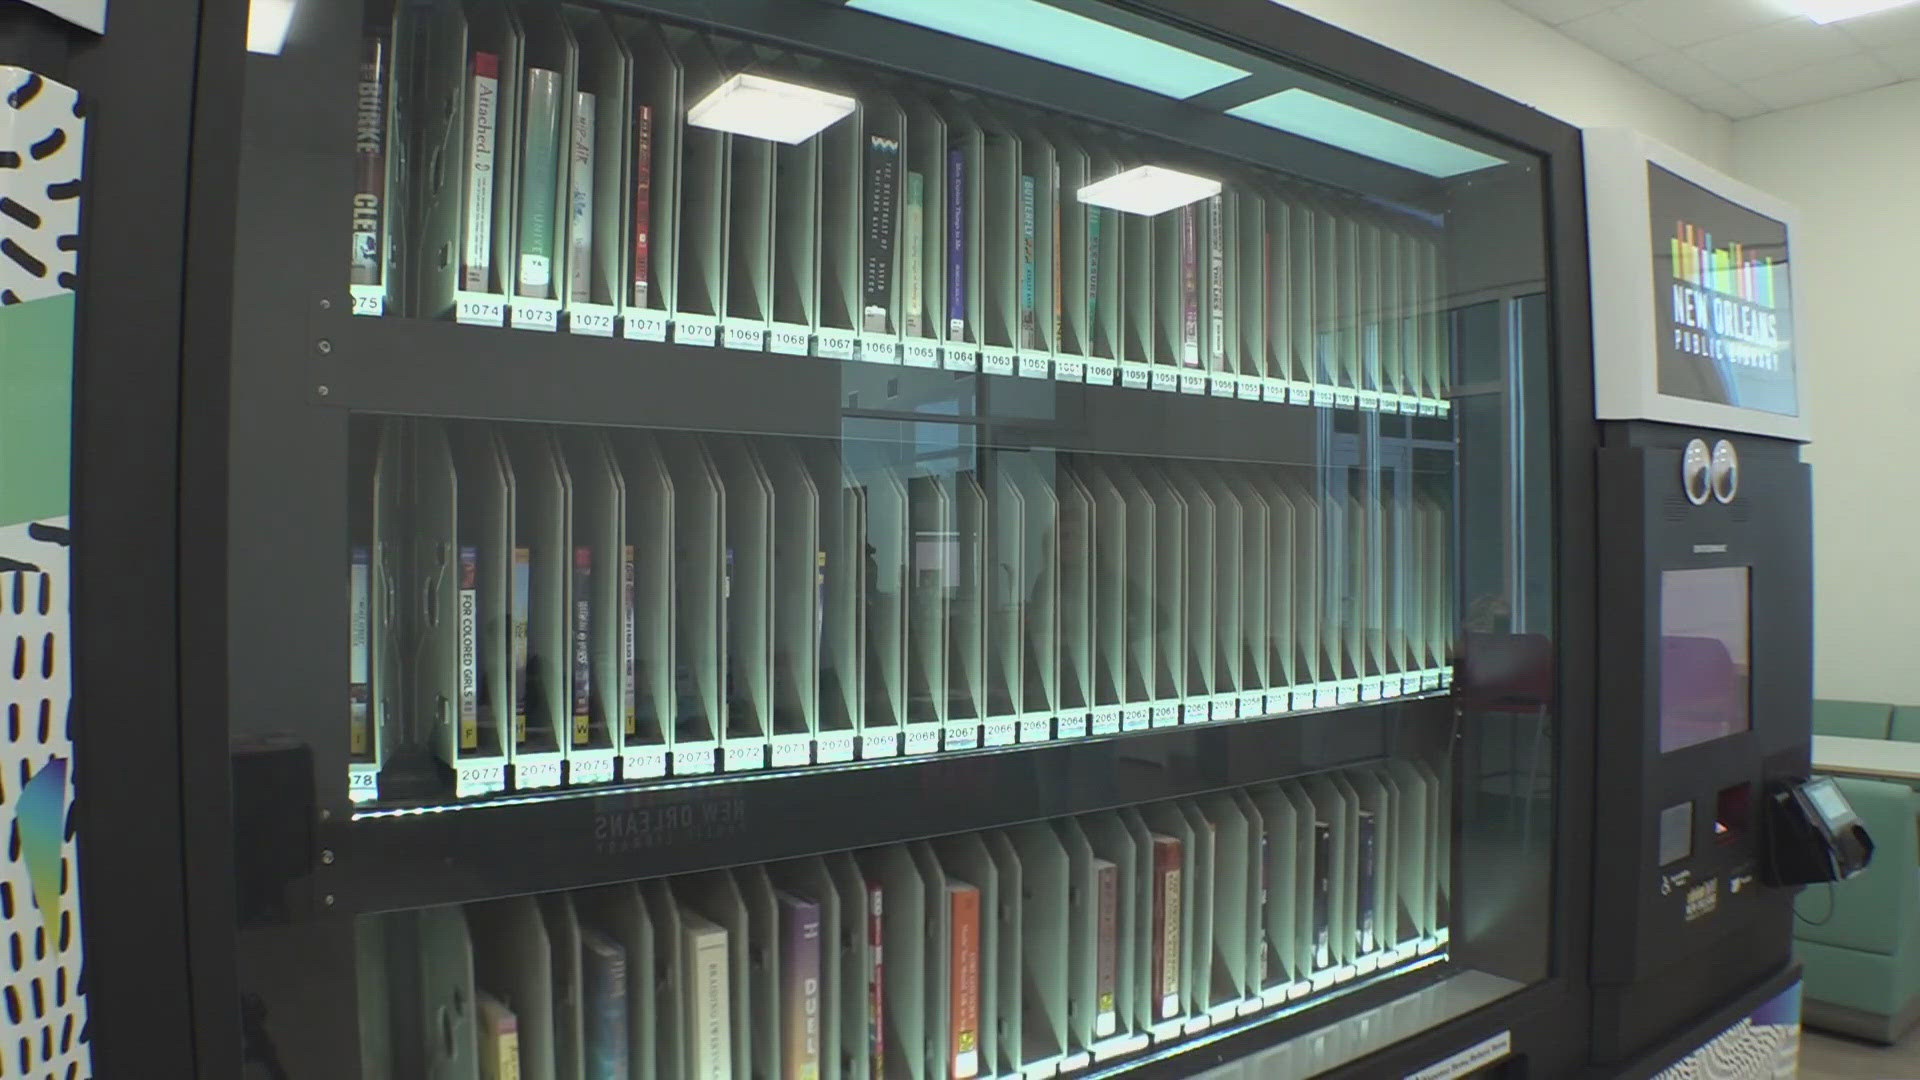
pixel 819 594
pixel 370 163
pixel 876 984
pixel 1322 894
pixel 1264 950
pixel 582 645
pixel 913 242
pixel 522 604
pixel 580 199
pixel 359 650
pixel 1216 284
pixel 1028 330
pixel 1093 277
pixel 477 269
pixel 629 645
pixel 1189 289
pixel 963 969
pixel 469 648
pixel 539 166
pixel 1368 883
pixel 956 245
pixel 499 1040
pixel 800 994
pixel 603 977
pixel 708 991
pixel 883 168
pixel 1166 925
pixel 1106 975
pixel 642 201
pixel 1059 197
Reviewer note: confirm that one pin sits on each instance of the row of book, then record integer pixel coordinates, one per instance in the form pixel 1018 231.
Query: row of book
pixel 1028 952
pixel 927 228
pixel 542 605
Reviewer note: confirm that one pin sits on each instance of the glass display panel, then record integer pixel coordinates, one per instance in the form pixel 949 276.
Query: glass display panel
pixel 1828 800
pixel 1723 281
pixel 782 522
pixel 1705 673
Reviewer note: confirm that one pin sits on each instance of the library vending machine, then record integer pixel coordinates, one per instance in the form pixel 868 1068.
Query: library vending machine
pixel 1705 618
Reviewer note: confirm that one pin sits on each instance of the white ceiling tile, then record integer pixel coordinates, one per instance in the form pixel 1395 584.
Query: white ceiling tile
pixel 1819 82
pixel 1680 73
pixel 1896 27
pixel 1555 12
pixel 1610 35
pixel 1771 49
pixel 1679 23
pixel 1902 60
pixel 1729 101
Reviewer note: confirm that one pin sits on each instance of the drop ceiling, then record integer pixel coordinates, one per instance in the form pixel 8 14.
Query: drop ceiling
pixel 1741 58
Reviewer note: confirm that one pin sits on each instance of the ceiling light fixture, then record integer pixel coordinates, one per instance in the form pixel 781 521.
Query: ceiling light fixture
pixel 1324 120
pixel 763 108
pixel 1148 190
pixel 1045 32
pixel 1827 11
pixel 267 24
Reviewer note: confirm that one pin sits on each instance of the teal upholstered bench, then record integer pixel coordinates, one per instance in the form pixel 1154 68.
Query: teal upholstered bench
pixel 1859 940
pixel 1854 719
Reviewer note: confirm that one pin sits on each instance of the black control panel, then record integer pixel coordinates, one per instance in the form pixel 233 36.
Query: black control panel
pixel 1705 694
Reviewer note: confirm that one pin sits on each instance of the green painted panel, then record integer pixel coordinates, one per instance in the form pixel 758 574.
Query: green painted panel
pixel 36 409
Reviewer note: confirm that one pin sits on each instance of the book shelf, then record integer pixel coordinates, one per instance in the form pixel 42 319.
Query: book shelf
pixel 732 529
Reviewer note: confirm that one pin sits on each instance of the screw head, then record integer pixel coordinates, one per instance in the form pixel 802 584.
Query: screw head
pixel 322 391
pixel 324 346
pixel 327 899
pixel 326 856
pixel 326 304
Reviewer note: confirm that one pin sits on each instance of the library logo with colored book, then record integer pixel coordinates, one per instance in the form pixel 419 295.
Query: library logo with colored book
pixel 1723 297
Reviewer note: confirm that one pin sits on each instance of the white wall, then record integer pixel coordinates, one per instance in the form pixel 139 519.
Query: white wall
pixel 1510 52
pixel 1852 166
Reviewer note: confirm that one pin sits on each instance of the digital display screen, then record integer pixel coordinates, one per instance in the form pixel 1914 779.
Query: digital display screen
pixel 1705 672
pixel 1722 299
pixel 1826 798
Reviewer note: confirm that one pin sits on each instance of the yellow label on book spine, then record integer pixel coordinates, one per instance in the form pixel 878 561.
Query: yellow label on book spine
pixel 582 729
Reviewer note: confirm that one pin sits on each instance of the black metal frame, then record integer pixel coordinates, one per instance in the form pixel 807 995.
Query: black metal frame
pixel 139 812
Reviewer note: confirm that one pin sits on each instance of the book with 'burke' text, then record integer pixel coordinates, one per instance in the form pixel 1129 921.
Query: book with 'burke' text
pixel 370 162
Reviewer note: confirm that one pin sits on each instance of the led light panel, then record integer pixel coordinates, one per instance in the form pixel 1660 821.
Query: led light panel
pixel 763 108
pixel 1149 190
pixel 1307 114
pixel 1045 32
